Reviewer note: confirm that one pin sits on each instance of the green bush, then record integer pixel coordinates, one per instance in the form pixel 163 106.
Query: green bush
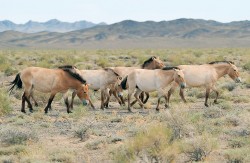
pixel 152 144
pixel 247 66
pixel 5 107
pixel 198 148
pixel 10 71
pixel 17 136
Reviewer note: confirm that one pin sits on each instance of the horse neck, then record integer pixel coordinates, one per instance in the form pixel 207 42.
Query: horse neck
pixel 167 76
pixel 221 69
pixel 150 66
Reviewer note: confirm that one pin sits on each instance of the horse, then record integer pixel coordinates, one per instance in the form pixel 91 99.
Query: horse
pixel 51 81
pixel 99 79
pixel 151 63
pixel 206 75
pixel 156 80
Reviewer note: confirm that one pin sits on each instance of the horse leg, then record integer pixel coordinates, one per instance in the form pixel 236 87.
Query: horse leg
pixel 123 102
pixel 130 92
pixel 72 99
pixel 169 95
pixel 26 97
pixel 66 101
pixel 33 98
pixel 217 94
pixel 49 103
pixel 102 100
pixel 23 103
pixel 182 95
pixel 147 97
pixel 138 92
pixel 158 103
pixel 91 104
pixel 207 96
pixel 117 98
pixel 141 96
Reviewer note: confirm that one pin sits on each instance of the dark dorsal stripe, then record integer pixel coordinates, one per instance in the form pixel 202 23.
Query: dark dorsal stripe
pixel 67 67
pixel 170 68
pixel 72 72
pixel 106 69
pixel 218 62
pixel 148 61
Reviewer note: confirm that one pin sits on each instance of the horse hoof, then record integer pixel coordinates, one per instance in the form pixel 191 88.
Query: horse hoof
pixel 36 104
pixel 130 111
pixel 166 106
pixel 69 112
pixel 216 102
pixel 206 105
pixel 31 110
pixel 23 111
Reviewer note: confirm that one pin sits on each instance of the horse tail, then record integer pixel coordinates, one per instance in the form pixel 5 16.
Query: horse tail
pixel 124 83
pixel 16 82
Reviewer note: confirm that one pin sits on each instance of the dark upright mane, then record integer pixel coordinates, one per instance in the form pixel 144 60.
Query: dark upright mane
pixel 170 68
pixel 218 62
pixel 106 69
pixel 72 72
pixel 67 67
pixel 148 61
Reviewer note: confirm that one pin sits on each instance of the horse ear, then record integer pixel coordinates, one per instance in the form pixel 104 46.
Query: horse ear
pixel 153 58
pixel 175 69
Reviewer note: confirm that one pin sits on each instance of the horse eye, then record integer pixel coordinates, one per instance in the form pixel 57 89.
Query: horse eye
pixel 234 70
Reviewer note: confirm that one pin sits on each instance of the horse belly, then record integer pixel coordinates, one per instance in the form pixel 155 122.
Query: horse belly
pixel 42 88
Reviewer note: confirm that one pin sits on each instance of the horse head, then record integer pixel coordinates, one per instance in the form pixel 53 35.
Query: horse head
pixel 179 78
pixel 233 72
pixel 83 94
pixel 153 63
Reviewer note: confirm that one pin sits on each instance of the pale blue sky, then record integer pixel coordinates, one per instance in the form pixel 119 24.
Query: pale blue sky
pixel 111 11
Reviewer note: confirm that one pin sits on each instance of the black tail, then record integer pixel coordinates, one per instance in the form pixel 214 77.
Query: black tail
pixel 124 83
pixel 17 82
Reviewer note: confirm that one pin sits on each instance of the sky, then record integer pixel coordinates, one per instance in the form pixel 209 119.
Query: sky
pixel 112 11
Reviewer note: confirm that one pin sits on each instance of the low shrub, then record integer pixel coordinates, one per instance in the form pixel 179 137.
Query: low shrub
pixel 12 136
pixel 151 145
pixel 198 148
pixel 5 107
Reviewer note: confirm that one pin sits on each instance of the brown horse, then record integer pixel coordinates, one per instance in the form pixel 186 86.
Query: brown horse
pixel 156 80
pixel 151 63
pixel 51 81
pixel 206 76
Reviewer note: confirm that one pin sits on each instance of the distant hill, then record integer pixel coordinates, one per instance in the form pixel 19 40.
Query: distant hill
pixel 52 25
pixel 133 34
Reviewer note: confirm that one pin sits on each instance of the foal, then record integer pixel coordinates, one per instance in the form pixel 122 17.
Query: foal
pixel 206 76
pixel 51 81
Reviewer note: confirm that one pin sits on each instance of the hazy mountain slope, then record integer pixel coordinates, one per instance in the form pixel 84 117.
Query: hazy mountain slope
pixel 128 33
pixel 53 25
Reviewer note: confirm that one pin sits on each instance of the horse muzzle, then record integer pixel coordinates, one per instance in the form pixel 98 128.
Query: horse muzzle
pixel 183 85
pixel 238 80
pixel 120 94
pixel 85 102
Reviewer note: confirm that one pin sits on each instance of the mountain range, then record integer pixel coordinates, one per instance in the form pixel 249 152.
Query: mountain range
pixel 133 34
pixel 52 25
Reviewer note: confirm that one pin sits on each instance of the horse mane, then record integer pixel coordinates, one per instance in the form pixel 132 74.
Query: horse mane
pixel 170 68
pixel 148 61
pixel 106 69
pixel 72 72
pixel 218 62
pixel 67 67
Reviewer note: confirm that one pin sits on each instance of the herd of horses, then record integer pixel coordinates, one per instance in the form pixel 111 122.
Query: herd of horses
pixel 153 75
